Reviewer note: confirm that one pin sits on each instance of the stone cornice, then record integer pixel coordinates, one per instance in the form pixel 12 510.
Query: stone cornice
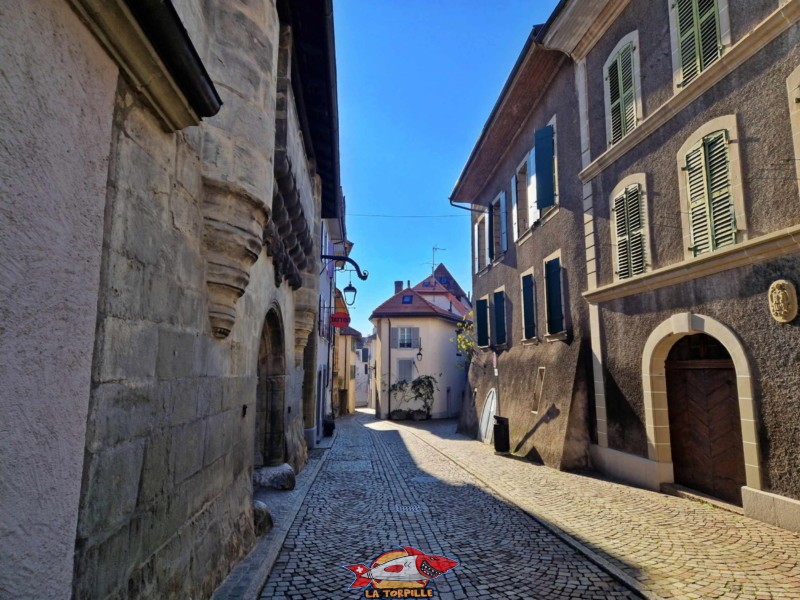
pixel 770 28
pixel 758 250
pixel 113 24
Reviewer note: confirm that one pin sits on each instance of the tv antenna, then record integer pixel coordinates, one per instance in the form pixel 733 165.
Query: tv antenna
pixel 433 258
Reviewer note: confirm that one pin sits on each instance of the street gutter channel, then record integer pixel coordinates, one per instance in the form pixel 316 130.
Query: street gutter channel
pixel 597 558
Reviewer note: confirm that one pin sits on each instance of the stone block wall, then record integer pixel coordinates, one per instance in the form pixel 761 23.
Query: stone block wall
pixel 165 506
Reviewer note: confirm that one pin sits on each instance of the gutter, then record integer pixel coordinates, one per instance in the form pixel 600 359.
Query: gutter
pixel 164 30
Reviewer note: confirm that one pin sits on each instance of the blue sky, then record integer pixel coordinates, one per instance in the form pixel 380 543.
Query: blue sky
pixel 417 81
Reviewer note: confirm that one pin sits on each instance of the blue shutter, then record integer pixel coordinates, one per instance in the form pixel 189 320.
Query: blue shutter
pixel 499 318
pixel 503 223
pixel 481 322
pixel 528 314
pixel 555 311
pixel 545 175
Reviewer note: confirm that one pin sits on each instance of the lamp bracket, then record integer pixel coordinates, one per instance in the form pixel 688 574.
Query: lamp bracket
pixel 362 276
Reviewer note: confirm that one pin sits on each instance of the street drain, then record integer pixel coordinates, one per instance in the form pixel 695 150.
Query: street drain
pixel 410 508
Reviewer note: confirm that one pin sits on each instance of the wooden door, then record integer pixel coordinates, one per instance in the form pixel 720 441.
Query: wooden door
pixel 705 428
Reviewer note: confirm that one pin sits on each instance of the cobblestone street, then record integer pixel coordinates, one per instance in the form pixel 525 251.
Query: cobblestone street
pixel 381 487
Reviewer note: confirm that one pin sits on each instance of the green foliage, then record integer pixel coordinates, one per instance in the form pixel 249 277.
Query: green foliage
pixel 422 389
pixel 466 338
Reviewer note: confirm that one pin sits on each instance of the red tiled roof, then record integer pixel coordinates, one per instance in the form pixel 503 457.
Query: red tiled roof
pixel 417 307
pixel 435 285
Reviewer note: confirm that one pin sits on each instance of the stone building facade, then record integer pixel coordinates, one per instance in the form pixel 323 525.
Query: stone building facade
pixel 532 323
pixel 189 155
pixel 688 181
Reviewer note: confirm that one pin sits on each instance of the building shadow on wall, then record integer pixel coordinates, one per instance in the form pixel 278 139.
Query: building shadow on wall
pixel 549 415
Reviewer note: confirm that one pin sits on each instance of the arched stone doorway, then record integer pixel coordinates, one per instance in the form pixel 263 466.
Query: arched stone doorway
pixel 659 421
pixel 704 423
pixel 270 439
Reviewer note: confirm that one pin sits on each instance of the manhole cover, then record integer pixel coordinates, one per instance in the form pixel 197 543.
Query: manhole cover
pixel 410 508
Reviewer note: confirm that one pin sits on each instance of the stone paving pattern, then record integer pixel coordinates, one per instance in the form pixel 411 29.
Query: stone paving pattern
pixel 674 548
pixel 362 504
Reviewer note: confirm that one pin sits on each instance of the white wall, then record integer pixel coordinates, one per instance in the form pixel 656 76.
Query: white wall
pixel 56 100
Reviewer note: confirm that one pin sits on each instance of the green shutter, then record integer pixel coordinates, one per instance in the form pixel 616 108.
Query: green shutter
pixel 528 314
pixel 481 322
pixel 629 218
pixel 698 36
pixel 499 318
pixel 622 94
pixel 712 219
pixel 545 173
pixel 698 203
pixel 555 311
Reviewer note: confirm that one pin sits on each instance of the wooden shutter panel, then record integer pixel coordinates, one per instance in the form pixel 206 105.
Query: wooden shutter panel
pixel 723 217
pixel 687 39
pixel 528 314
pixel 500 318
pixel 394 337
pixel 627 92
pixel 533 211
pixel 414 337
pixel 514 213
pixel 623 241
pixel 708 32
pixel 634 210
pixel 481 322
pixel 503 223
pixel 698 201
pixel 545 176
pixel 615 102
pixel 555 310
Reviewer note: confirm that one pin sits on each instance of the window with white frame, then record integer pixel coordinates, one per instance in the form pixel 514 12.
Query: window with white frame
pixel 700 30
pixel 498 228
pixel 621 82
pixel 480 245
pixel 534 187
pixel 405 337
pixel 629 230
pixel 405 369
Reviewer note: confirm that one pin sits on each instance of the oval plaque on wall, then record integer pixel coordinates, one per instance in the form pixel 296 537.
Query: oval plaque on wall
pixel 782 301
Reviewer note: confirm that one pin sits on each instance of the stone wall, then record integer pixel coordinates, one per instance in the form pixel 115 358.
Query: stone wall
pixel 558 433
pixel 56 98
pixel 186 283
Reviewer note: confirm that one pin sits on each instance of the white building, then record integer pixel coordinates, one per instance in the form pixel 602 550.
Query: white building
pixel 415 336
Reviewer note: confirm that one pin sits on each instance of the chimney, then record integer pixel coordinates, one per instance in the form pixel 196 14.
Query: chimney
pixel 409 283
pixel 398 287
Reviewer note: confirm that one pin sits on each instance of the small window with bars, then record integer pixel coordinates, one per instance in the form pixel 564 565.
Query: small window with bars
pixel 629 227
pixel 712 216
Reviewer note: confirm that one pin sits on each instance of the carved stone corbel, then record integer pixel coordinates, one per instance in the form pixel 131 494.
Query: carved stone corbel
pixel 234 221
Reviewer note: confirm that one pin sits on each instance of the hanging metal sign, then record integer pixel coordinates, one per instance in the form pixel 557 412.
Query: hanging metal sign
pixel 340 319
